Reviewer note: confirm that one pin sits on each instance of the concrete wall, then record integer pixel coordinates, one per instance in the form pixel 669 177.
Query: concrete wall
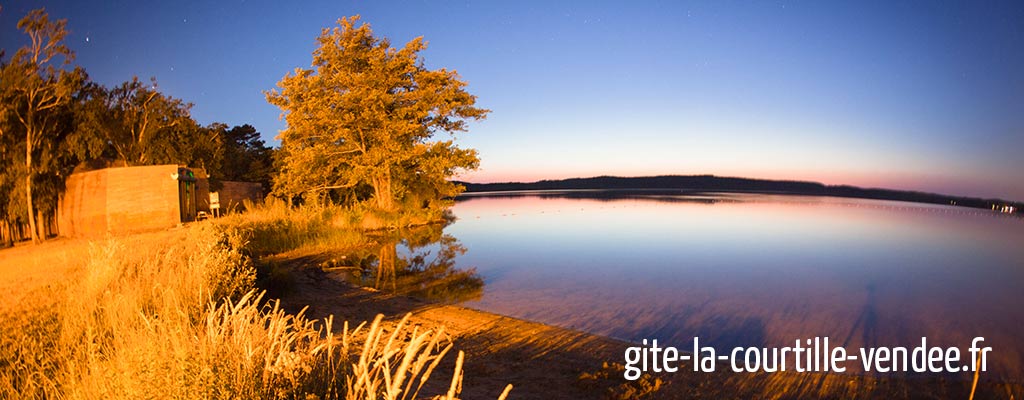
pixel 119 200
pixel 83 208
pixel 232 194
pixel 142 198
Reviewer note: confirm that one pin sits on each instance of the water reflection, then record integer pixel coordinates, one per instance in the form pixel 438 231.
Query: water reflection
pixel 419 262
pixel 752 270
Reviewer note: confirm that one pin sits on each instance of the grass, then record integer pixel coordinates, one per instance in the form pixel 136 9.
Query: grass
pixel 176 315
pixel 275 228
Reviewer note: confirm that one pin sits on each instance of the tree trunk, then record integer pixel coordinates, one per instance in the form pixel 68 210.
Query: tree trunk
pixel 43 222
pixel 6 236
pixel 382 194
pixel 28 187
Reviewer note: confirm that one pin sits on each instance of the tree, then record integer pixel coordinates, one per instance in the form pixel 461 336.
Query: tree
pixel 367 114
pixel 37 93
pixel 135 118
pixel 141 126
pixel 246 157
pixel 188 144
pixel 8 164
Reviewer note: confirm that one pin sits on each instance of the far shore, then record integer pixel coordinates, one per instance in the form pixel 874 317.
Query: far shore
pixel 725 184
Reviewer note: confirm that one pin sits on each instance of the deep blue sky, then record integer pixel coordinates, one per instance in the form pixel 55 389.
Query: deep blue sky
pixel 926 96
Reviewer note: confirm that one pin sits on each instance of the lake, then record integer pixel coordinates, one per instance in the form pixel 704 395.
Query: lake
pixel 739 269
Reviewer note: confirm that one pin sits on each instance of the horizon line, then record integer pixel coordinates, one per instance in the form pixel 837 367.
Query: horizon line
pixel 825 185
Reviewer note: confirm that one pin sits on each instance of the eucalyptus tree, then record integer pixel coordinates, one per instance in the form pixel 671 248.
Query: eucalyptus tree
pixel 37 94
pixel 139 118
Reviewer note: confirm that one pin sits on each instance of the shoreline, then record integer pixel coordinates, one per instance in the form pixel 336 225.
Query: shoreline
pixel 712 183
pixel 499 349
pixel 545 361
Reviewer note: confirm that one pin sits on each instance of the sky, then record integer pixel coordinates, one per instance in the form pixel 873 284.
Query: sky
pixel 905 95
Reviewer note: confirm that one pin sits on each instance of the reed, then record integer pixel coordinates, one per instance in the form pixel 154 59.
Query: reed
pixel 176 315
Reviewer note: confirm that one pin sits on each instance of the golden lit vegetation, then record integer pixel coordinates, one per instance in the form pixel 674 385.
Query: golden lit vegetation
pixel 369 122
pixel 274 227
pixel 175 315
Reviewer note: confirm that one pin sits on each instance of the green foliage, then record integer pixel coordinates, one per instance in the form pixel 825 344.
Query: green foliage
pixel 363 121
pixel 38 96
pixel 246 157
pixel 142 126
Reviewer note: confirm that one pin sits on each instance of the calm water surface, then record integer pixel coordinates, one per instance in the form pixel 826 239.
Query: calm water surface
pixel 750 270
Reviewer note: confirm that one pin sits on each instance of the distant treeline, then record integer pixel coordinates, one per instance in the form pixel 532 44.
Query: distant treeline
pixel 711 183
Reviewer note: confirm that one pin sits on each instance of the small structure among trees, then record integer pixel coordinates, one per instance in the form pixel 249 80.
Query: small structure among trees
pixel 53 119
pixel 362 123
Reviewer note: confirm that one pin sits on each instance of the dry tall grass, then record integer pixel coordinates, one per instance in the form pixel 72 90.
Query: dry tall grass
pixel 177 317
pixel 273 227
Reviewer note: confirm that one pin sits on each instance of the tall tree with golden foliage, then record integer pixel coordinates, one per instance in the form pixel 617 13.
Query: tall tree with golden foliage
pixel 366 115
